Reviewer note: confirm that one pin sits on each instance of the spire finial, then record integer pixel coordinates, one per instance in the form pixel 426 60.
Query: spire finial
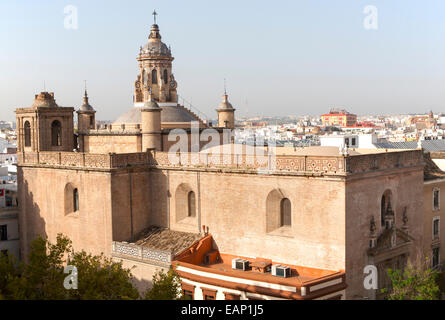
pixel 85 97
pixel 44 86
pixel 85 82
pixel 154 16
pixel 225 86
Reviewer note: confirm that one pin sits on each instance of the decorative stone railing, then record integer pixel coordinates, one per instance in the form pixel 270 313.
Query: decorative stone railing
pixel 66 159
pixel 142 253
pixel 332 165
pixel 266 162
pixel 288 163
pixel 85 160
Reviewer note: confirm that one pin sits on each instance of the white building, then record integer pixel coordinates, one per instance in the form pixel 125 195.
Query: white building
pixel 9 223
pixel 362 141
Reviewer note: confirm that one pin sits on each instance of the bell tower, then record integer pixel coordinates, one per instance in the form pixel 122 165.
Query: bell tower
pixel 45 126
pixel 86 116
pixel 226 113
pixel 86 120
pixel 155 70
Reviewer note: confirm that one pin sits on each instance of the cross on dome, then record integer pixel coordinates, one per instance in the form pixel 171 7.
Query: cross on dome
pixel 154 16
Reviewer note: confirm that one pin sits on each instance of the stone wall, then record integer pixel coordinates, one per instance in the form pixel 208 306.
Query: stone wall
pixel 363 200
pixel 42 207
pixel 332 200
pixel 106 143
pixel 233 206
pixel 430 214
pixel 131 203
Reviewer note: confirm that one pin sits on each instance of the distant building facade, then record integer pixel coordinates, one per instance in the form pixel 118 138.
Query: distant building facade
pixel 340 118
pixel 9 228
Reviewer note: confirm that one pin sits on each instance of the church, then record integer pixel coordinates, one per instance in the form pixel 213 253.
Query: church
pixel 301 225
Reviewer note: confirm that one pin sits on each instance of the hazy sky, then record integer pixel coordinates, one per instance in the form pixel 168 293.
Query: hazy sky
pixel 291 57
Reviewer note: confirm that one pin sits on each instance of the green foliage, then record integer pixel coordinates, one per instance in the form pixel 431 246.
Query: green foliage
pixel 413 283
pixel 43 276
pixel 441 282
pixel 8 275
pixel 166 286
pixel 101 279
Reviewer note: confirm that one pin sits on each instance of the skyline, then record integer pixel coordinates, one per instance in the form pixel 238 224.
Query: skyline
pixel 334 62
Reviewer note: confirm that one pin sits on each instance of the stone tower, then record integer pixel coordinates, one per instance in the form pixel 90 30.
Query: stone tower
pixel 45 126
pixel 226 114
pixel 151 125
pixel 86 120
pixel 155 71
pixel 86 116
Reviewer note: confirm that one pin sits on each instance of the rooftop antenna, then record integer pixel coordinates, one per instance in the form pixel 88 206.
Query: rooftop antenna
pixel 154 15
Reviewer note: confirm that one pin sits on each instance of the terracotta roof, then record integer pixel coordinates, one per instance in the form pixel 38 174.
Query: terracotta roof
pixel 166 240
pixel 192 261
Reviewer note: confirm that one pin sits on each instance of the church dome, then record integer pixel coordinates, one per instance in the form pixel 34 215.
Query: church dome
pixel 44 100
pixel 168 114
pixel 155 47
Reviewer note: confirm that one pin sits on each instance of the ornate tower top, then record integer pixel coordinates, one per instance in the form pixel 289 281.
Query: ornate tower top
pixel 155 71
pixel 86 107
pixel 44 99
pixel 155 48
pixel 154 33
pixel 225 104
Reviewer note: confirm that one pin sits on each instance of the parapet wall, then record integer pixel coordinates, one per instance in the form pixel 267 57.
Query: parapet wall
pixel 315 165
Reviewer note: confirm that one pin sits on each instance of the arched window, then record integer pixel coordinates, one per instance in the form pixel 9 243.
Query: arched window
pixel 285 212
pixel 191 207
pixel 382 211
pixel 56 133
pixel 154 77
pixel 144 77
pixel 165 76
pixel 75 200
pixel 386 200
pixel 27 134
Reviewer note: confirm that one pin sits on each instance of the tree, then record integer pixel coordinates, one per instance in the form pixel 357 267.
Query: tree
pixel 101 279
pixel 8 275
pixel 43 276
pixel 416 282
pixel 166 286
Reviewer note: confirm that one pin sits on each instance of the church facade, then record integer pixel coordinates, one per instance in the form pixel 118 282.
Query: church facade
pixel 317 215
